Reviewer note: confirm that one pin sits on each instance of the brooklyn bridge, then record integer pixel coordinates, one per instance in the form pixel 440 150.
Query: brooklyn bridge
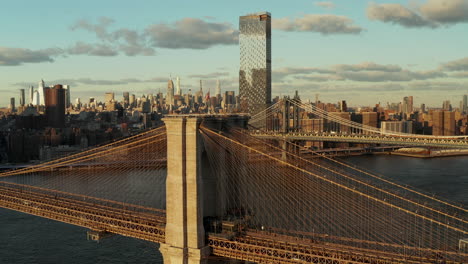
pixel 233 187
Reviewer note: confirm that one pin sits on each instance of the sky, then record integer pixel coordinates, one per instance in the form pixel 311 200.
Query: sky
pixel 364 52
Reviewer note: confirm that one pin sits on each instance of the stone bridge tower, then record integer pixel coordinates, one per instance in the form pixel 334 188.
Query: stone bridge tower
pixel 191 194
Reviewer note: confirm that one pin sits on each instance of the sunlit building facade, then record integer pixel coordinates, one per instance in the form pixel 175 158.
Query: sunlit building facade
pixel 255 62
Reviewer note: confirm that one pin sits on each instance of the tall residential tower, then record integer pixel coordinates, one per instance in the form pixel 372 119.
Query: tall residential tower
pixel 255 62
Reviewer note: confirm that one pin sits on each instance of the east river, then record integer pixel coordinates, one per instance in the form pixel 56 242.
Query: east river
pixel 29 239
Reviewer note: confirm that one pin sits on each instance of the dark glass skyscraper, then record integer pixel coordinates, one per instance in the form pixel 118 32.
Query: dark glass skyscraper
pixel 55 106
pixel 255 62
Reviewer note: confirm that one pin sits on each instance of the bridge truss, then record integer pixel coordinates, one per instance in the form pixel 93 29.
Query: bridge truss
pixel 335 128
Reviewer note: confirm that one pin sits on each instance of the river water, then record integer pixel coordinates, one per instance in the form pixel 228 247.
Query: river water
pixel 29 239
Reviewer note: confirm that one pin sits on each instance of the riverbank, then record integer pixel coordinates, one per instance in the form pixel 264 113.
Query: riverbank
pixel 429 153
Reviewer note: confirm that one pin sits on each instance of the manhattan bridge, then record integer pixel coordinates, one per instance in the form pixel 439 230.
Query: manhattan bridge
pixel 210 186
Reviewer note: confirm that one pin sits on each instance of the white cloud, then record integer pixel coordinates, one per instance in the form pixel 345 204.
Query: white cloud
pixel 433 13
pixel 17 56
pixel 362 72
pixel 192 33
pixel 383 76
pixel 446 11
pixel 456 65
pixel 81 48
pixel 397 14
pixel 324 24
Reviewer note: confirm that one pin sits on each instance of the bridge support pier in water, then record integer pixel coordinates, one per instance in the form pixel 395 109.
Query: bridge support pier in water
pixel 186 198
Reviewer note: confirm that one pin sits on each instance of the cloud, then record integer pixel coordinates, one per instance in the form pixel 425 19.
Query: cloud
pixel 319 78
pixel 460 75
pixel 325 4
pixel 324 24
pixel 212 75
pixel 367 66
pixel 192 33
pixel 279 74
pixel 383 76
pixel 446 11
pixel 397 14
pixel 81 48
pixel 18 56
pixel 436 86
pixel 159 79
pixel 130 42
pixel 89 81
pixel 282 88
pixel 456 65
pixel 100 28
pixel 433 13
pixel 362 72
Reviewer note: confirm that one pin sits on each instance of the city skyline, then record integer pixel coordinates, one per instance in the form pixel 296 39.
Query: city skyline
pixel 363 53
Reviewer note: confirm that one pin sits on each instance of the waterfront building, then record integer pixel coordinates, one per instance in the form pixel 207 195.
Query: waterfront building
pixel 438 123
pixel 255 62
pixel 397 126
pixel 369 119
pixel 449 123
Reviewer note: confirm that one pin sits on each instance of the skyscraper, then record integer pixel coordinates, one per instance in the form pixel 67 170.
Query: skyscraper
pixel 67 95
pixel 449 123
pixel 31 94
pixel 126 99
pixel 12 104
pixel 170 92
pixel 21 99
pixel 447 106
pixel 465 103
pixel 109 97
pixel 132 101
pixel 438 123
pixel 41 90
pixel 410 104
pixel 55 106
pixel 255 62
pixel 218 88
pixel 36 100
pixel 178 91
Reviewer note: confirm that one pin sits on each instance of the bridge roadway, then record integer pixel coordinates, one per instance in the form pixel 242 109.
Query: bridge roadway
pixel 93 213
pixel 149 224
pixel 416 140
pixel 270 247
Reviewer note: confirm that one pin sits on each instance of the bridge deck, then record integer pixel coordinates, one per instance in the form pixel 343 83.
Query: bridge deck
pixel 365 138
pixel 122 221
